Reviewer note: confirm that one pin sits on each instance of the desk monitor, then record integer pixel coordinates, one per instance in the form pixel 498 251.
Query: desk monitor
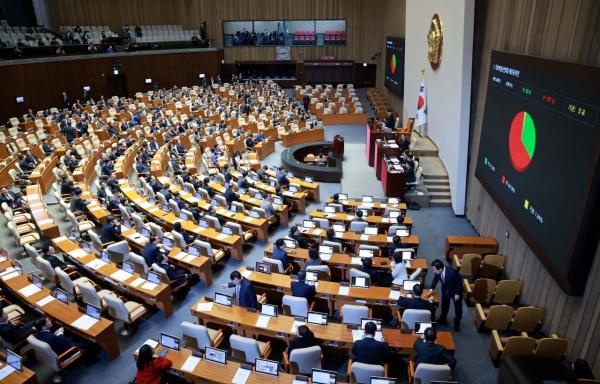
pixel 329 209
pixel 268 367
pixel 308 179
pixel 291 244
pixel 152 200
pixel 311 276
pixel 169 341
pixel 263 267
pixel 370 230
pixel 20 99
pixel 258 196
pixel 309 224
pixel 364 321
pixel 165 207
pixel 339 227
pixel 367 199
pixel 382 380
pixel 365 212
pixel 86 246
pixel 407 285
pixel 17 265
pixel 36 280
pixel 183 216
pixel 215 355
pixel 223 299
pixel 318 318
pixel 227 231
pixel 277 200
pixel 148 81
pixel 395 214
pixel 186 188
pixel 128 267
pixel 321 376
pixel 254 215
pixel 199 196
pixel 268 310
pixel 145 232
pixel 203 223
pixel 360 282
pixel 366 253
pixel 126 223
pixel 104 256
pixel 393 200
pixel 93 311
pixel 421 326
pixel 14 360
pixel 343 196
pixel 273 183
pixel 61 295
pixel 402 232
pixel 293 189
pixel 167 242
pixel 153 277
pixel 214 202
pixel 72 235
pixel 233 207
pixel 326 249
pixel 408 255
pixel 242 191
pixel 193 250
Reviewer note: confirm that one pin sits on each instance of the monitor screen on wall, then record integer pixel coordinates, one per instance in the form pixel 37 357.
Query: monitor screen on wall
pixel 538 158
pixel 394 65
pixel 284 32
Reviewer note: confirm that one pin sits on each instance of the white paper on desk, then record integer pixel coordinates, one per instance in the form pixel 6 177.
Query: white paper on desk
pixel 356 260
pixel 325 256
pixel 344 291
pixel 136 282
pixel 85 322
pixel 96 264
pixel 286 193
pixel 145 205
pixel 193 200
pixel 390 239
pixel 77 253
pixel 263 321
pixel 359 334
pixel 151 342
pixel 394 295
pixel 241 376
pixel 189 258
pixel 190 364
pixel 4 372
pixel 59 239
pixel 45 301
pixel 247 274
pixel 204 307
pixel 10 275
pixel 248 219
pixel 367 205
pixel 29 290
pixel 364 237
pixel 222 236
pixel 295 326
pixel 45 221
pixel 339 234
pixel 149 286
pixel 180 255
pixel 2 259
pixel 7 271
pixel 121 275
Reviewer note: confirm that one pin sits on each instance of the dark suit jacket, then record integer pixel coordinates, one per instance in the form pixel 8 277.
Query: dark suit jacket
pixel 389 121
pixel 247 294
pixel 431 353
pixel 416 303
pixel 302 342
pixel 230 196
pixel 150 253
pixel 452 284
pixel 59 344
pixel 12 333
pixel 69 133
pixel 301 289
pixel 77 204
pixel 14 202
pixel 370 351
pixel 110 232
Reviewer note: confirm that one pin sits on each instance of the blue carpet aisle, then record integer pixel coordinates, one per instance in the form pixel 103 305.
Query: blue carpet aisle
pixel 431 224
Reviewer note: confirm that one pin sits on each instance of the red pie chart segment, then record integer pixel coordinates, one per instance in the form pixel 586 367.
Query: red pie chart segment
pixel 393 63
pixel 521 141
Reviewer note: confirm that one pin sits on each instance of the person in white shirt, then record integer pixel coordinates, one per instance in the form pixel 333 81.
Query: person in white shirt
pixel 398 269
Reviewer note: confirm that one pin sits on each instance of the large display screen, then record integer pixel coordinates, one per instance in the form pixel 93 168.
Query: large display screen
pixel 538 158
pixel 394 65
pixel 284 32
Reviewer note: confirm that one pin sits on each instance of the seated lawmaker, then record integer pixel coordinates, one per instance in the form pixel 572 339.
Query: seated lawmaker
pixel 313 257
pixel 177 228
pixel 396 244
pixel 14 200
pixel 368 350
pixel 60 343
pixel 49 254
pixel 176 275
pixel 14 333
pixel 428 352
pixel 151 251
pixel 367 267
pixel 150 370
pixel 111 230
pixel 77 203
pixel 279 252
pixel 301 289
pixel 296 235
pixel 415 301
pixel 306 338
pixel 399 273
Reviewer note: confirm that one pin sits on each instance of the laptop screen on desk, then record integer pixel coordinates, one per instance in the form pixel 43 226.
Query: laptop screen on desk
pixel 145 232
pixel 364 321
pixel 420 327
pixel 360 282
pixel 128 267
pixel 223 299
pixel 268 367
pixel 153 277
pixel 215 355
pixel 308 224
pixel 14 360
pixel 382 380
pixel 367 199
pixel 169 341
pixel 342 196
pixel 93 311
pixel 290 243
pixel 263 267
pixel 268 310
pixel 329 209
pixel 317 318
pixel 370 230
pixel 61 296
pixel 366 253
pixel 326 249
pixel 321 376
pixel 408 285
pixel 167 242
pixel 339 227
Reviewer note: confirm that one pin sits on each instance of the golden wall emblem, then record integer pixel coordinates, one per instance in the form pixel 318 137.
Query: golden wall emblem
pixel 435 42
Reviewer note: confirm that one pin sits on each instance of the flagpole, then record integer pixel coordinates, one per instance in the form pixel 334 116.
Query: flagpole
pixel 419 128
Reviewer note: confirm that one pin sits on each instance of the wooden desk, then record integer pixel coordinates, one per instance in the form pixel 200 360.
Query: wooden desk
pixel 42 174
pixel 27 376
pixel 289 139
pixel 381 150
pixel 373 133
pixel 345 118
pixel 159 296
pixel 265 148
pixel 311 188
pixel 281 327
pixel 393 181
pixel 346 219
pixel 238 144
pixel 209 372
pixel 40 213
pixel 459 245
pixel 313 158
pixel 102 333
pixel 353 238
pixel 352 205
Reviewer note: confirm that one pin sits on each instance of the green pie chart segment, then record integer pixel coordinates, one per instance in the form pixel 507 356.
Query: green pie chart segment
pixel 521 142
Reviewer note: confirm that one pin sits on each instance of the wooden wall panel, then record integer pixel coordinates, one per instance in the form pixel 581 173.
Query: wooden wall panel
pixel 556 29
pixel 41 83
pixel 363 20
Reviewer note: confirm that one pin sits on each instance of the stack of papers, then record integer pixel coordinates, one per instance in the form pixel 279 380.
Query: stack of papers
pixel 136 282
pixel 364 237
pixel 10 275
pixel 29 290
pixel 45 301
pixel 149 286
pixel 204 307
pixel 394 295
pixel 325 256
pixel 180 255
pixel 189 258
pixel 190 364
pixel 121 275
pixel 6 371
pixel 222 236
pixel 295 326
pixel 356 260
pixel 85 322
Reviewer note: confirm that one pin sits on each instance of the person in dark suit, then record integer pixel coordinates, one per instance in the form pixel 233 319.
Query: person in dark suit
pixel 306 102
pixel 428 352
pixel 140 167
pixel 301 289
pixel 230 195
pixel 77 203
pixel 49 254
pixel 111 230
pixel 25 165
pixel 66 101
pixel 396 244
pixel 389 120
pixel 60 343
pixel 404 142
pixel 208 188
pixel 244 291
pixel 368 350
pixel 359 216
pixel 296 235
pixel 11 198
pixel 177 275
pixel 66 185
pixel 177 228
pixel 282 178
pixel 279 252
pixel 47 148
pixel 14 333
pixel 367 267
pixel 69 132
pixel 154 145
pixel 452 290
pixel 415 301
pixel 151 251
pixel 306 338
pixel 101 192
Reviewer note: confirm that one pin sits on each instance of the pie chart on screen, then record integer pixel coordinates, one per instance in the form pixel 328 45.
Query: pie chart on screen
pixel 521 141
pixel 393 63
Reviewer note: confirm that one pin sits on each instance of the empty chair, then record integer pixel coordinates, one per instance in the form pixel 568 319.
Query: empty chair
pixel 481 291
pixel 507 292
pixel 247 350
pixel 214 256
pixel 118 250
pixel 214 222
pixel 80 225
pixel 496 317
pixel 47 270
pixel 198 337
pixel 426 373
pixel 138 222
pixel 128 312
pixel 179 240
pixel 527 319
pixel 411 316
pixel 236 229
pixel 358 226
pixel 352 314
pixel 156 230
pixel 492 266
pixel 96 242
pixel 303 360
pixel 22 238
pixel 362 373
pixel 45 355
pixel 468 265
pixel 69 285
pixel 321 223
pixel 90 295
pixel 357 273
pixel 139 264
pixel 515 346
pixel 295 306
pixel 552 347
